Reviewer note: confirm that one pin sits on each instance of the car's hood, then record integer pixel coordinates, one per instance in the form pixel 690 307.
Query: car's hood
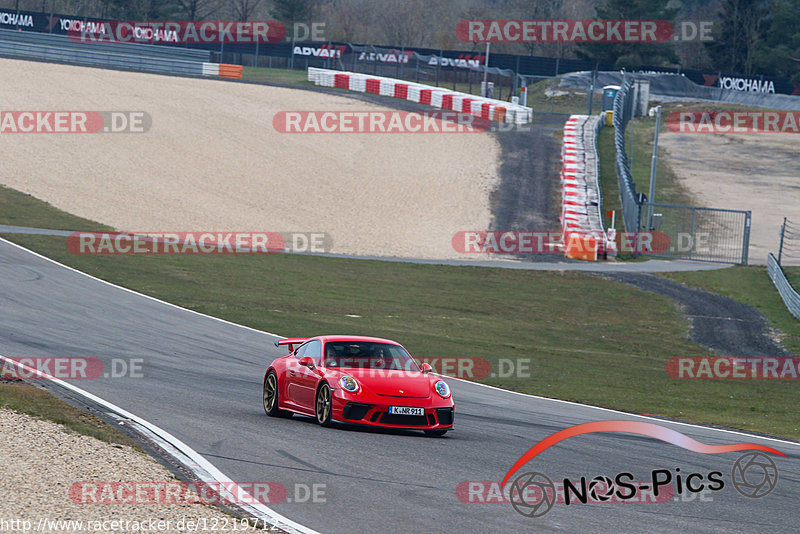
pixel 391 382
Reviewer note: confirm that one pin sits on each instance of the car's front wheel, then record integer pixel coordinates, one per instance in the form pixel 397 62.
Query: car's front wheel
pixel 271 397
pixel 324 405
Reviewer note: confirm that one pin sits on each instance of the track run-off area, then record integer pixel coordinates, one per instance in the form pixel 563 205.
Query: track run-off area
pixel 201 383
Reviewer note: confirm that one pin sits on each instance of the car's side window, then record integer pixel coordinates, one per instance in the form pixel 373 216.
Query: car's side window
pixel 300 352
pixel 313 349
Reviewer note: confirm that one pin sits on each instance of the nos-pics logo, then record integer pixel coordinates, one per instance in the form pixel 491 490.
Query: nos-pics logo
pixel 533 494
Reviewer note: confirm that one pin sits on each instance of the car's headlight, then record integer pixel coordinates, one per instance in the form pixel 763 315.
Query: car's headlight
pixel 348 383
pixel 442 388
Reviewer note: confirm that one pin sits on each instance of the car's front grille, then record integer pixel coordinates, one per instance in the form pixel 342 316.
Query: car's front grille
pixel 355 411
pixel 445 416
pixel 408 420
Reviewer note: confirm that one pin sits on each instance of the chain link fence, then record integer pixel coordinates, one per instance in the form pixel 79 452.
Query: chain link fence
pixel 623 110
pixel 676 232
pixel 789 248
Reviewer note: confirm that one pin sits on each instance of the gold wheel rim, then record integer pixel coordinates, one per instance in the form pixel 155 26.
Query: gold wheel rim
pixel 323 404
pixel 269 392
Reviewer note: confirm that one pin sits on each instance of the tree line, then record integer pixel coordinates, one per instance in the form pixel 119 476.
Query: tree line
pixel 748 36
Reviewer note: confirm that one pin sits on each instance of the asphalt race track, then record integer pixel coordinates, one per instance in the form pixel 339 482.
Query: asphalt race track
pixel 202 383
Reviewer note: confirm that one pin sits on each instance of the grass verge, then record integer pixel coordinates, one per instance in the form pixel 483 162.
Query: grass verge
pixel 585 339
pixel 25 398
pixel 751 285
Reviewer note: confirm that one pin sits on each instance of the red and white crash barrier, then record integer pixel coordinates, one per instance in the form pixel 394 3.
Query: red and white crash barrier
pixel 582 229
pixel 439 97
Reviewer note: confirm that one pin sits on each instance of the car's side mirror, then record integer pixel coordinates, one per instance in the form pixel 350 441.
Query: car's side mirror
pixel 426 367
pixel 307 362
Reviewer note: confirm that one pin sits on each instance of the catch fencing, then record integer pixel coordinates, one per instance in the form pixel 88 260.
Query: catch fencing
pixel 623 109
pixel 679 232
pixel 789 247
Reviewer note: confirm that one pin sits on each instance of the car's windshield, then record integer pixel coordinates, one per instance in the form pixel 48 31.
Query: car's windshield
pixel 368 355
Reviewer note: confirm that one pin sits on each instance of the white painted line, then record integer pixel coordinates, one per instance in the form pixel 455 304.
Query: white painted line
pixel 211 475
pixel 661 421
pixel 135 292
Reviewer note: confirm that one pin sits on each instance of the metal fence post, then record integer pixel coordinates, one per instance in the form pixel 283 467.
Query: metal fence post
pixel 401 60
pixel 652 193
pixel 438 66
pixel 780 246
pixel 691 233
pixel 746 237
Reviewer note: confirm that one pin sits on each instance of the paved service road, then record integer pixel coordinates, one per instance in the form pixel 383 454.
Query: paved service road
pixel 202 383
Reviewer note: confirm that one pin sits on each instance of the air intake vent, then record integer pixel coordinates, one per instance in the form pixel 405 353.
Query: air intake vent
pixel 445 416
pixel 355 411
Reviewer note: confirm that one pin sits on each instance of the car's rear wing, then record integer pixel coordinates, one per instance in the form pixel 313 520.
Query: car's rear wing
pixel 291 341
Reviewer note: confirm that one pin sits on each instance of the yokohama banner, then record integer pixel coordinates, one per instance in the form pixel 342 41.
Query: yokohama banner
pixel 347 53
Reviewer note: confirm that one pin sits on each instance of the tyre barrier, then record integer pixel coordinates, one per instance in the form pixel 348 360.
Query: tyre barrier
pixel 582 230
pixel 439 97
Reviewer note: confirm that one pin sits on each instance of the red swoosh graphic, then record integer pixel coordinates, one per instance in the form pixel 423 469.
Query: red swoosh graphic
pixel 633 427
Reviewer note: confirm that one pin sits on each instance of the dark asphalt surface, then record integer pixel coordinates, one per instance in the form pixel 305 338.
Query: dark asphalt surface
pixel 527 198
pixel 202 382
pixel 719 323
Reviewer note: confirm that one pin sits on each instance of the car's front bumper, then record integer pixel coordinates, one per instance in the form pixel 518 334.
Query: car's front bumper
pixel 438 416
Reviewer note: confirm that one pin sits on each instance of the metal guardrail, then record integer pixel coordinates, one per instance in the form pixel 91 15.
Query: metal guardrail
pixel 789 295
pixel 129 49
pixel 91 57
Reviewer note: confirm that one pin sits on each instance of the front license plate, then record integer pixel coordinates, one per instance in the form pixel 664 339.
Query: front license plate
pixel 406 410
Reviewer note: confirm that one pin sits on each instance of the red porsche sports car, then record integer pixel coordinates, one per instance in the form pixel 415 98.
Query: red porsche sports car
pixel 354 379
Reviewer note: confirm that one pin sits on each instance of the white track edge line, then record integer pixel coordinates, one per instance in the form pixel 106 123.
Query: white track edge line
pixel 136 292
pixel 649 418
pixel 740 433
pixel 216 475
